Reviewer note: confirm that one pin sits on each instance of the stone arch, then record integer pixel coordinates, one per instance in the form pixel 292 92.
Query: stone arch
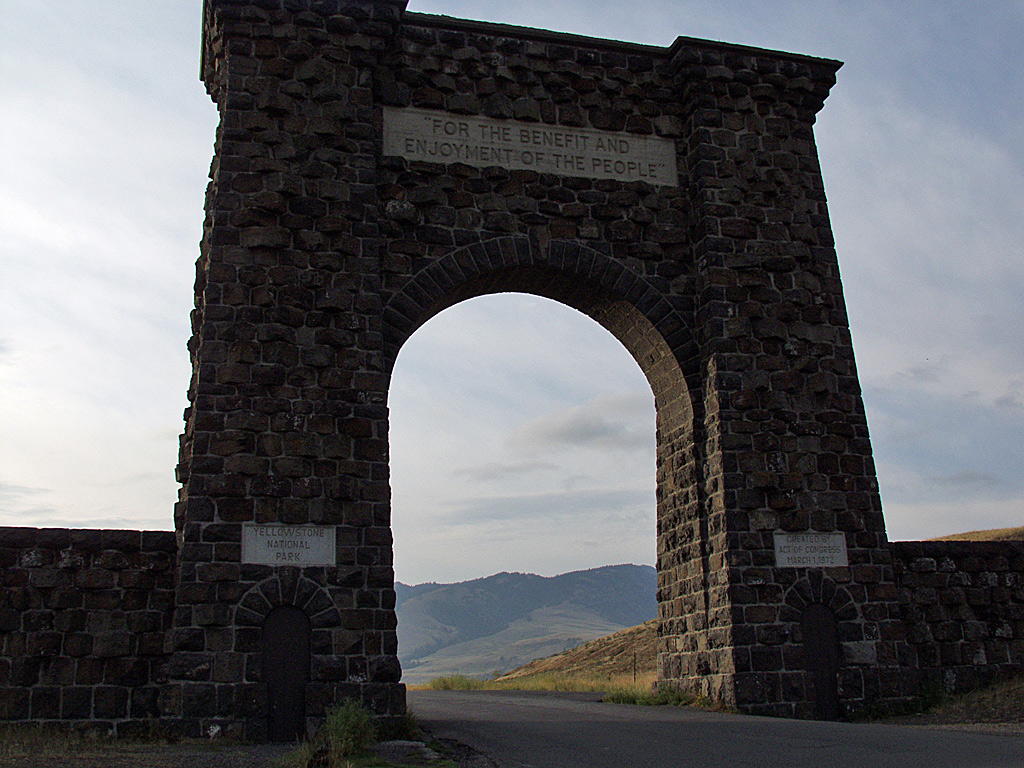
pixel 815 587
pixel 287 586
pixel 661 341
pixel 587 278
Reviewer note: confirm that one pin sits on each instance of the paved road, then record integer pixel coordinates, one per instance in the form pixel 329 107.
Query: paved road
pixel 545 730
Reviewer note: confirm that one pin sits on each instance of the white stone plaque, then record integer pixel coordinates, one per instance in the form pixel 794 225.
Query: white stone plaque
pixel 441 137
pixel 810 550
pixel 301 545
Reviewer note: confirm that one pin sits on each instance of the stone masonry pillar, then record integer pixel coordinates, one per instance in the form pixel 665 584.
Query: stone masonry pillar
pixel 287 424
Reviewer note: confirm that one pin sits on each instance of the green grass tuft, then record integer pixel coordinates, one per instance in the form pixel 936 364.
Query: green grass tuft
pixel 454 683
pixel 349 730
pixel 347 733
pixel 667 697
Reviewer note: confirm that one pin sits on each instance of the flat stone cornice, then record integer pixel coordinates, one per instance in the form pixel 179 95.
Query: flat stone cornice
pixel 436 21
pixel 567 38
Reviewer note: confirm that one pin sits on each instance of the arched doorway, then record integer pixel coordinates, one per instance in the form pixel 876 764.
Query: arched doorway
pixel 285 644
pixel 820 632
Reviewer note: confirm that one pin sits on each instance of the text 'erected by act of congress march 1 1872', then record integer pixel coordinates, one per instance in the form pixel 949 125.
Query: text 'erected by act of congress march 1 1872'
pixel 810 550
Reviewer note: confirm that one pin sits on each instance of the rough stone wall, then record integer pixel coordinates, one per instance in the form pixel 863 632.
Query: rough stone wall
pixel 963 607
pixel 83 618
pixel 320 257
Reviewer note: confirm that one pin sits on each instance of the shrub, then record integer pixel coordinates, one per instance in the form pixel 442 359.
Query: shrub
pixel 348 730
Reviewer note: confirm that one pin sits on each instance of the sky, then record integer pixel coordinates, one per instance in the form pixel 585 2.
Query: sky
pixel 522 432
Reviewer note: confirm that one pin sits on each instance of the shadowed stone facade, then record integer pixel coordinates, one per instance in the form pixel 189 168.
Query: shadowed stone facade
pixel 321 255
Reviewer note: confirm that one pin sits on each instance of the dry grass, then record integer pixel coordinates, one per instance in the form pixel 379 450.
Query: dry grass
pixel 994 534
pixel 1001 702
pixel 623 666
pixel 615 657
pixel 549 681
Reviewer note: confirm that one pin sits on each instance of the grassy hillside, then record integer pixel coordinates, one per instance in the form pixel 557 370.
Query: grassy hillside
pixel 610 657
pixel 994 534
pixel 486 625
pixel 542 633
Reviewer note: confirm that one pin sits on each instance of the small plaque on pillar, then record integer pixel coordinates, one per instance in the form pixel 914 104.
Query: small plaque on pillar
pixel 810 550
pixel 300 545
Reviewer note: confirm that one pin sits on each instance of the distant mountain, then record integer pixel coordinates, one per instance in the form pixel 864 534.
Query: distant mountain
pixel 497 623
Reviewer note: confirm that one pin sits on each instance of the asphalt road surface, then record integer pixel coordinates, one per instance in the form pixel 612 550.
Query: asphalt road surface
pixel 560 730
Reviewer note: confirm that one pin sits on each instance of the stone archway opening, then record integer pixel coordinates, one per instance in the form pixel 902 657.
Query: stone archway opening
pixel 512 400
pixel 650 330
pixel 522 441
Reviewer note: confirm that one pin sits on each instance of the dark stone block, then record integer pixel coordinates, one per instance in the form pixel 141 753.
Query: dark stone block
pixel 10 620
pixel 199 701
pixel 45 702
pixel 76 703
pixel 110 702
pixel 18 538
pixel 122 541
pixel 14 703
pixel 89 671
pixel 144 703
pixel 77 645
pixel 129 672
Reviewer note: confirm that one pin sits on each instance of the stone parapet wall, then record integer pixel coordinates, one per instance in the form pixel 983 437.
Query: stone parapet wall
pixel 963 609
pixel 84 615
pixel 83 618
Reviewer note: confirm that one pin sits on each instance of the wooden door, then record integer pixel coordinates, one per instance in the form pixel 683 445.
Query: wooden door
pixel 821 655
pixel 286 634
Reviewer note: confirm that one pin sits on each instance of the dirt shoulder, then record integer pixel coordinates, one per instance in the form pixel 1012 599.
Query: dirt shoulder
pixel 998 709
pixel 154 756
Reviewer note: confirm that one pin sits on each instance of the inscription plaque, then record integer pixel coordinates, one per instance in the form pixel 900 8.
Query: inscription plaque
pixel 441 137
pixel 815 550
pixel 302 545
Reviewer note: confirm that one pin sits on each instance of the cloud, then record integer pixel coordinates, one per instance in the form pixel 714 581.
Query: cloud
pixel 1013 400
pixel 931 273
pixel 509 402
pixel 574 506
pixel 11 494
pixel 616 422
pixel 483 473
pixel 969 478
